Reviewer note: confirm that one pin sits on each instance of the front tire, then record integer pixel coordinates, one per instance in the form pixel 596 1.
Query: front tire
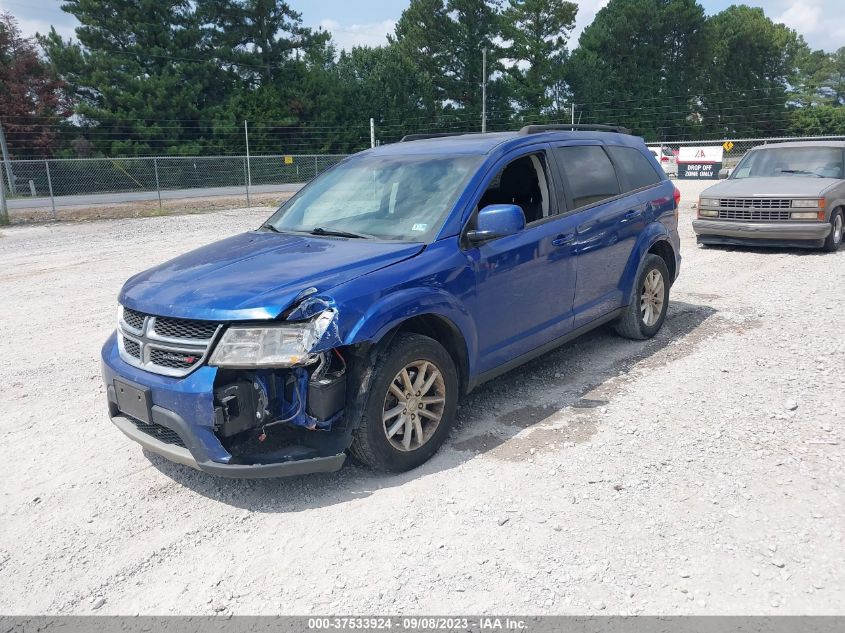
pixel 644 317
pixel 410 406
pixel 834 238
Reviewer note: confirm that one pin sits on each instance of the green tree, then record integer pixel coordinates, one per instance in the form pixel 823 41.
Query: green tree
pixel 818 120
pixel 141 79
pixel 381 83
pixel 821 78
pixel 637 64
pixel 750 65
pixel 445 40
pixel 537 32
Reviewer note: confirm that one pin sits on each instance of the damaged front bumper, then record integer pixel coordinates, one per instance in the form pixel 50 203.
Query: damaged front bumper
pixel 232 423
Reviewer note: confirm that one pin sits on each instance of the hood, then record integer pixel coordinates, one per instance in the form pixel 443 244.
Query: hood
pixel 255 275
pixel 777 187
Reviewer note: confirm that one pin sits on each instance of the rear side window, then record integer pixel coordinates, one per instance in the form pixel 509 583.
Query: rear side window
pixel 588 172
pixel 635 170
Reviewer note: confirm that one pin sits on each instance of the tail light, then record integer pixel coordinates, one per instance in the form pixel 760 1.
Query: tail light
pixel 677 197
pixel 664 159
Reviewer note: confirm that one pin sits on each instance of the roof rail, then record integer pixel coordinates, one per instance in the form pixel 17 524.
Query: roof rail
pixel 420 137
pixel 536 129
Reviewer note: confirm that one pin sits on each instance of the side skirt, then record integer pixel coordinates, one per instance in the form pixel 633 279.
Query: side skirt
pixel 543 349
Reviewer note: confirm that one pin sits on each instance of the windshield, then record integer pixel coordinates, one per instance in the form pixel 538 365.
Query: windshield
pixel 402 198
pixel 813 162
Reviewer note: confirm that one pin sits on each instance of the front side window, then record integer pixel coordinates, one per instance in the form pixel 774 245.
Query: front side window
pixel 521 182
pixel 405 198
pixel 814 162
pixel 589 173
pixel 634 168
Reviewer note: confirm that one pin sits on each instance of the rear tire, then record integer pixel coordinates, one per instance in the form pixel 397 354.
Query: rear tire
pixel 834 238
pixel 644 317
pixel 410 406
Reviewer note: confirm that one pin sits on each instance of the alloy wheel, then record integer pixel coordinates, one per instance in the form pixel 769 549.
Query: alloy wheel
pixel 651 299
pixel 414 405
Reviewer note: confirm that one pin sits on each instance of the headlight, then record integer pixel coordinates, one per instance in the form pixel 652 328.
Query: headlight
pixel 708 202
pixel 708 213
pixel 806 204
pixel 804 215
pixel 277 345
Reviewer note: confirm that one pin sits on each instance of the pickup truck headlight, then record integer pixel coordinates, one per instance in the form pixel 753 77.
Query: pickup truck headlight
pixel 277 345
pixel 708 213
pixel 806 204
pixel 708 202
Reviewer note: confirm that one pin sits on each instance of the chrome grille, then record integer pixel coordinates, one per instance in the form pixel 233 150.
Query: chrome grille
pixel 763 215
pixel 164 345
pixel 755 203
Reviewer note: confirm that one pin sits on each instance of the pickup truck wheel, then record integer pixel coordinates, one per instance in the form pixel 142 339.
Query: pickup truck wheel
pixel 644 317
pixel 834 238
pixel 410 407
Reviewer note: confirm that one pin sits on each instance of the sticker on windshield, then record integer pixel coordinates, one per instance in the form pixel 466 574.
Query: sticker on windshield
pixel 419 227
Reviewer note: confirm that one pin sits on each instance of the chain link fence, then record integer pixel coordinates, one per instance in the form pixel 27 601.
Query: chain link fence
pixel 94 186
pixel 38 187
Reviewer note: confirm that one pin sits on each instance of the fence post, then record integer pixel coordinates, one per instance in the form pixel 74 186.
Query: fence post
pixel 246 182
pixel 158 187
pixel 4 212
pixel 50 187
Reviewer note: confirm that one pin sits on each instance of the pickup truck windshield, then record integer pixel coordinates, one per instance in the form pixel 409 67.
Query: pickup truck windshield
pixel 403 198
pixel 812 162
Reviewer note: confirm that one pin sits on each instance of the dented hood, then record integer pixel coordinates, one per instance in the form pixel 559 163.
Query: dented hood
pixel 255 275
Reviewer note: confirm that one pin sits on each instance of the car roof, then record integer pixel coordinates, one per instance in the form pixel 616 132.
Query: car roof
pixel 480 144
pixel 831 143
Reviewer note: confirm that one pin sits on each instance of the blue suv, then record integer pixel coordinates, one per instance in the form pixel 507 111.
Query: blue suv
pixel 354 319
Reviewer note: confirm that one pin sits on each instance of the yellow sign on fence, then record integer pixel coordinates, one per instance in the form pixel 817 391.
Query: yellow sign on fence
pixel 728 145
pixel 288 160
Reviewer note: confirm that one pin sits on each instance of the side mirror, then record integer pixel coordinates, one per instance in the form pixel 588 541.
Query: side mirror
pixel 725 173
pixel 495 221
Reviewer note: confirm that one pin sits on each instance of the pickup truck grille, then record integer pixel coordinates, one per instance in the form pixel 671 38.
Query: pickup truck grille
pixel 762 215
pixel 755 203
pixel 164 345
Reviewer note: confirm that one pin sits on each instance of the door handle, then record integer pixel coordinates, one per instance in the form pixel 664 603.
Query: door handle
pixel 633 214
pixel 562 240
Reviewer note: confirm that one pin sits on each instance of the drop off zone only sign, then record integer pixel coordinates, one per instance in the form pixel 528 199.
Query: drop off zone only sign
pixel 700 163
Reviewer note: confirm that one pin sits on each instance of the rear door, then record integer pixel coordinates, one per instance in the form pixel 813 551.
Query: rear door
pixel 608 222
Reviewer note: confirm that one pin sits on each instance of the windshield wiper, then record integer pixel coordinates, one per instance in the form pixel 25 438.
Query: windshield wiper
pixel 270 227
pixel 333 233
pixel 800 171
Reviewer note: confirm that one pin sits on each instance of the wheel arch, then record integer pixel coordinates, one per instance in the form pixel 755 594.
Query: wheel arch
pixel 655 240
pixel 430 312
pixel 663 249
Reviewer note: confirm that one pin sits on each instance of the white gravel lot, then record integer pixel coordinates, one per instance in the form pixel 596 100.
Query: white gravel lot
pixel 701 472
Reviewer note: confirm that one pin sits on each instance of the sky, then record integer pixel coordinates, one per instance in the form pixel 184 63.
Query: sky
pixel 367 22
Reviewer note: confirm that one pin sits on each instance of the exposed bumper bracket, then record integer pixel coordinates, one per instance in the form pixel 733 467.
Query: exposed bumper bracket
pixel 236 471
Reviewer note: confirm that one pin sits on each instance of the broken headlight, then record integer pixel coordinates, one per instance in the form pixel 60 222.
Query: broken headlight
pixel 277 345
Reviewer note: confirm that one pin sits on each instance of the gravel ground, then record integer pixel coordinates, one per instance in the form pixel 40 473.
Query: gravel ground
pixel 701 472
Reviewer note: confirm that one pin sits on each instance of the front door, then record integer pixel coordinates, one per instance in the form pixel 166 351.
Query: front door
pixel 524 283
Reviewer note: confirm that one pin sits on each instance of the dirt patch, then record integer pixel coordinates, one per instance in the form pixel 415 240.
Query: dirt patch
pixel 146 208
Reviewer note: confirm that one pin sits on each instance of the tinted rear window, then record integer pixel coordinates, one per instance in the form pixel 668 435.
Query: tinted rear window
pixel 589 173
pixel 635 170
